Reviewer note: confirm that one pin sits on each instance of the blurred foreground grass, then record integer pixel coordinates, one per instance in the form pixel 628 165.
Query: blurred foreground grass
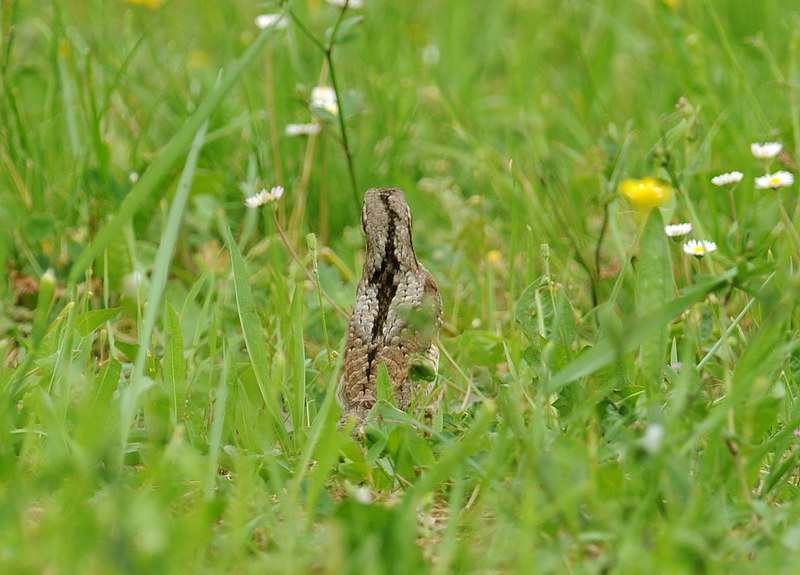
pixel 609 404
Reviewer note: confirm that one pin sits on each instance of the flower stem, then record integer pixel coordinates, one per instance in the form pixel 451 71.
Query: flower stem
pixel 735 217
pixel 328 53
pixel 309 274
pixel 311 242
pixel 348 154
pixel 272 117
pixel 790 227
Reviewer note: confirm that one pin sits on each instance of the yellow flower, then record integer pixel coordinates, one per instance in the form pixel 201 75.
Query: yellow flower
pixel 151 4
pixel 495 257
pixel 197 59
pixel 646 193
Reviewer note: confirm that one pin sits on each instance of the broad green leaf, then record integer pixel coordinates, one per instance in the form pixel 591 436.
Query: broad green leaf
pixel 654 286
pixel 544 311
pixel 50 342
pixel 529 312
pixel 254 339
pixel 419 449
pixel 564 330
pixel 420 368
pixel 174 366
pixel 384 384
pixel 89 321
pixel 346 31
pixel 635 331
pixel 129 349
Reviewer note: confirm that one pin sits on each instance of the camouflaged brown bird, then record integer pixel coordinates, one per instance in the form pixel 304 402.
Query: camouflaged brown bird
pixel 397 312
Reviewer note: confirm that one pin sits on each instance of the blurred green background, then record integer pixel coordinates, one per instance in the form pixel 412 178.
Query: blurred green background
pixel 167 395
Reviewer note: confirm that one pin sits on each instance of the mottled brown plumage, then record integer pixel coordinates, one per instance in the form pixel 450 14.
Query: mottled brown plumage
pixel 397 312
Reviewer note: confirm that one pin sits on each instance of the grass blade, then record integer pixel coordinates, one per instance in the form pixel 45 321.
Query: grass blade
pixel 130 396
pixel 215 435
pixel 174 364
pixel 298 402
pixel 169 156
pixel 254 339
pixel 605 351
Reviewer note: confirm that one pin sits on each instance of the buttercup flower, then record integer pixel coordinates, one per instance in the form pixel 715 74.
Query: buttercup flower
pixel 151 4
pixel 302 129
pixel 646 193
pixel 277 21
pixel 495 257
pixel 727 179
pixel 699 248
pixel 676 230
pixel 767 150
pixel 776 180
pixel 324 97
pixel 264 197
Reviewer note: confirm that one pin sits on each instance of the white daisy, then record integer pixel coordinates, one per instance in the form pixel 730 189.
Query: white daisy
pixel 257 200
pixel 653 438
pixel 264 197
pixel 676 230
pixel 277 21
pixel 351 4
pixel 767 150
pixel 302 129
pixel 324 97
pixel 776 180
pixel 699 248
pixel 275 193
pixel 431 54
pixel 727 179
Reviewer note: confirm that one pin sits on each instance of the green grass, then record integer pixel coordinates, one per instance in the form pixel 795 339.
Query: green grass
pixel 608 403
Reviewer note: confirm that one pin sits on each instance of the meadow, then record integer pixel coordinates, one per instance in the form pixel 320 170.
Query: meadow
pixel 610 399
